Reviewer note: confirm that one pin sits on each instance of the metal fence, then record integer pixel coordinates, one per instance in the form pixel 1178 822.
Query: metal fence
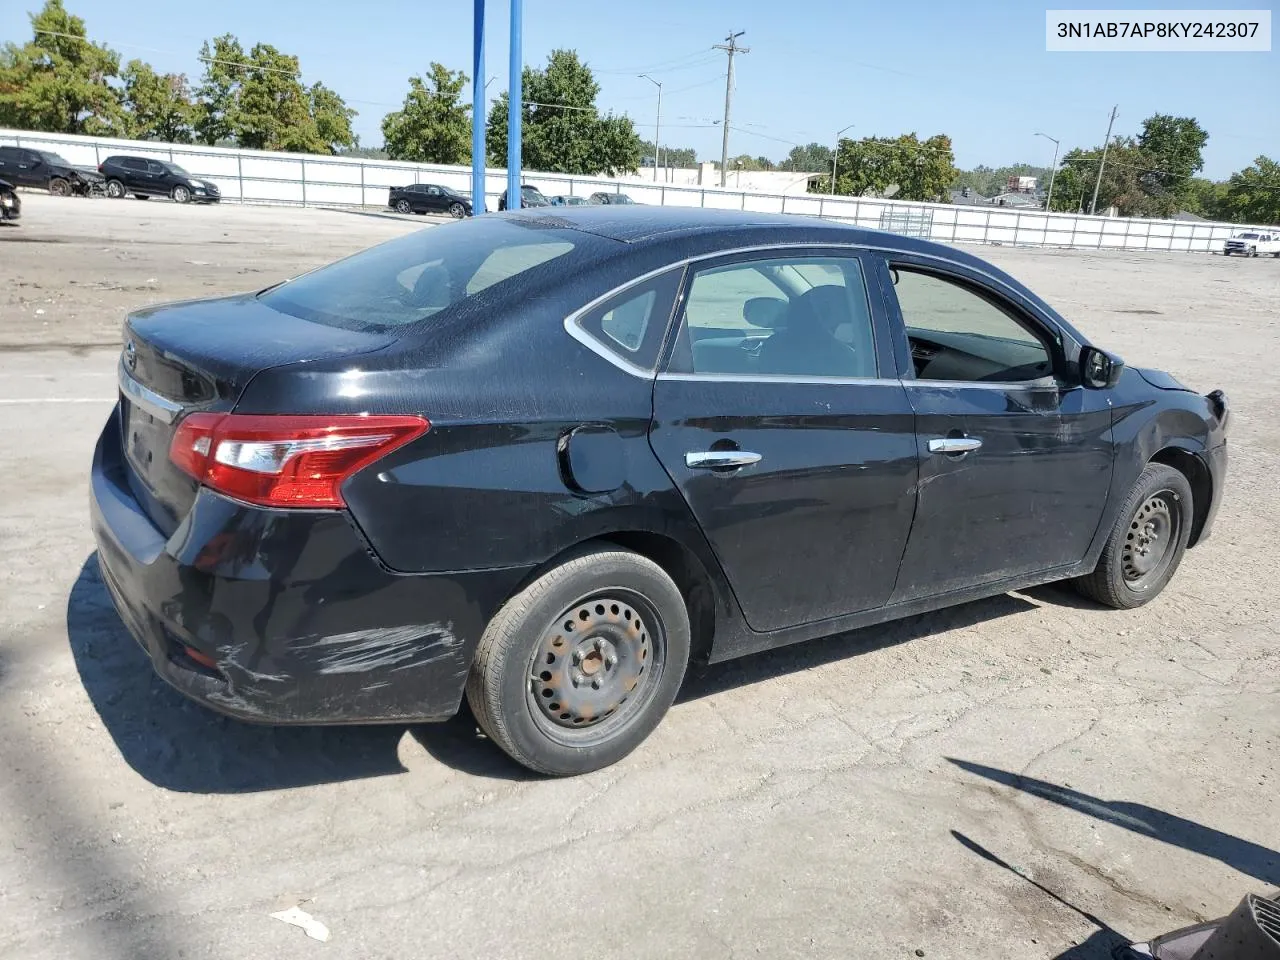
pixel 256 176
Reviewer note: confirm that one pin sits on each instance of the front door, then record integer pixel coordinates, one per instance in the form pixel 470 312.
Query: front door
pixel 770 416
pixel 1015 460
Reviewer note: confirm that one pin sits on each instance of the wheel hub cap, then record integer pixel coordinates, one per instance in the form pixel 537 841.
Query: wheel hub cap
pixel 590 662
pixel 1149 538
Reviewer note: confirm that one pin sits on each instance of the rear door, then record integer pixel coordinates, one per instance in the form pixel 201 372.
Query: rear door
pixel 134 172
pixel 1015 457
pixel 795 456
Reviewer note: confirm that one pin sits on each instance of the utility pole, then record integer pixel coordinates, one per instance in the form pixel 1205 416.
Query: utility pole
pixel 835 157
pixel 1093 205
pixel 730 46
pixel 657 127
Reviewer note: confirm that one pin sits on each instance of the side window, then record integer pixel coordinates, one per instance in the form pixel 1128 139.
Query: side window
pixel 156 168
pixel 632 324
pixel 432 191
pixel 129 163
pixel 960 333
pixel 796 316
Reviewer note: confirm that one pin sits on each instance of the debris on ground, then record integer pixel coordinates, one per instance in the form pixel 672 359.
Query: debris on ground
pixel 298 917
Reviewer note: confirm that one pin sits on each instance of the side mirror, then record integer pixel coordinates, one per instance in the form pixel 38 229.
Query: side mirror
pixel 764 311
pixel 1099 370
pixel 894 275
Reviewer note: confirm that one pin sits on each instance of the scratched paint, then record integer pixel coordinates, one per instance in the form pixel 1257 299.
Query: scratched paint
pixel 382 648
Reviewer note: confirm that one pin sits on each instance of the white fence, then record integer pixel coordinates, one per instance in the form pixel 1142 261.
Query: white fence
pixel 256 176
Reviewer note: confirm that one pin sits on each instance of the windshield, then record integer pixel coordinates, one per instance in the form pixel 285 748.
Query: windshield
pixel 1247 236
pixel 411 278
pixel 622 198
pixel 174 168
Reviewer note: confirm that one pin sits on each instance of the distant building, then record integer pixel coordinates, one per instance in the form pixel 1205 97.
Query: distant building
pixel 1016 184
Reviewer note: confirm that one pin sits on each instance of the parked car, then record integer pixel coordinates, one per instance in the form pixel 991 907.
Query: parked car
pixel 603 197
pixel 10 203
pixel 545 459
pixel 429 198
pixel 1251 243
pixel 24 167
pixel 530 196
pixel 567 201
pixel 146 177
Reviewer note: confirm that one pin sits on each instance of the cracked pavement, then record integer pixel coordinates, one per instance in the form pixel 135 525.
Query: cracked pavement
pixel 1026 776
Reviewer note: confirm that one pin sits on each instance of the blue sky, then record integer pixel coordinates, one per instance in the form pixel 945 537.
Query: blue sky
pixel 976 70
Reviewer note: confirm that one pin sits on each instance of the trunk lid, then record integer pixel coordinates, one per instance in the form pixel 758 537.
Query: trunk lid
pixel 183 357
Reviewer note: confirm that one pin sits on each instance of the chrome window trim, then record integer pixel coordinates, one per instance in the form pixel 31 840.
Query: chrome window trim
pixel 574 330
pixel 162 408
pixel 780 378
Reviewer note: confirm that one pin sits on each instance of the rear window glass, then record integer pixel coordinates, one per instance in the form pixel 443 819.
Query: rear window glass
pixel 409 279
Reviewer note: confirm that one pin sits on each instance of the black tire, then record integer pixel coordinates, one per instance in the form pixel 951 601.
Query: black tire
pixel 141 196
pixel 59 187
pixel 402 206
pixel 598 589
pixel 115 190
pixel 1253 251
pixel 1120 580
pixel 181 194
pixel 457 211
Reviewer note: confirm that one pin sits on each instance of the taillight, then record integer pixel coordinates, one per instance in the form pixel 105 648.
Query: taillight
pixel 285 461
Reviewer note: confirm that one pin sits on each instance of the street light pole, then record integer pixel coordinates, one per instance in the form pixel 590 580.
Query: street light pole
pixel 835 157
pixel 1053 172
pixel 1103 162
pixel 657 127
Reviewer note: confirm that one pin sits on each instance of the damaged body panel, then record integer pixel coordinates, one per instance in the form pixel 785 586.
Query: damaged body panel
pixel 809 427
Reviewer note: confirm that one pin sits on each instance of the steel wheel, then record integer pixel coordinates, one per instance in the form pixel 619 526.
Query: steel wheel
pixel 595 667
pixel 1150 542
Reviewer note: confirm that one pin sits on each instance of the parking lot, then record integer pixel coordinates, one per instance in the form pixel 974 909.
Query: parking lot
pixel 1025 777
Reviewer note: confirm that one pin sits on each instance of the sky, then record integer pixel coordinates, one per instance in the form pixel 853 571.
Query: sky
pixel 974 70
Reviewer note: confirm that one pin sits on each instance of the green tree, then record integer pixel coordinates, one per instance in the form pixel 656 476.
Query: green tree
pixel 1121 186
pixel 563 132
pixel 1252 195
pixel 1205 198
pixel 919 169
pixel 681 157
pixel 159 105
pixel 1174 151
pixel 59 81
pixel 811 158
pixel 216 97
pixel 990 181
pixel 434 125
pixel 332 118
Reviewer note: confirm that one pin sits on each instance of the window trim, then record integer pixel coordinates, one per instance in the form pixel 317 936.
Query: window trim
pixel 575 326
pixel 1056 342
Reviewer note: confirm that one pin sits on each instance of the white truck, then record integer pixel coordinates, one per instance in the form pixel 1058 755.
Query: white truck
pixel 1251 243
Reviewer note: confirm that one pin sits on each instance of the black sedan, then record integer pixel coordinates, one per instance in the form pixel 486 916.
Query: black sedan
pixel 547 459
pixel 10 202
pixel 429 198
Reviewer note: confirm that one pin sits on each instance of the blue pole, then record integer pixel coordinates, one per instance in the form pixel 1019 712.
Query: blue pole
pixel 515 109
pixel 478 113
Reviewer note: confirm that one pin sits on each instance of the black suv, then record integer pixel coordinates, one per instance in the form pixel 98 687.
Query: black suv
pixel 145 177
pixel 24 167
pixel 429 198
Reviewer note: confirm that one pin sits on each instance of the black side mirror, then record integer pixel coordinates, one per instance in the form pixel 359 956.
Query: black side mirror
pixel 1099 369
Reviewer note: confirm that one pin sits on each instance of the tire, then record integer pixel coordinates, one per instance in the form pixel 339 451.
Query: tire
pixel 402 206
pixel 59 187
pixel 1125 577
pixel 623 630
pixel 115 190
pixel 457 211
pixel 1253 251
pixel 181 194
pixel 141 196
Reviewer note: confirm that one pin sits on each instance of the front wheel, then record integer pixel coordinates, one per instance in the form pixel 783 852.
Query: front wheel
pixel 1253 251
pixel 1147 542
pixel 578 668
pixel 115 189
pixel 457 211
pixel 181 194
pixel 59 187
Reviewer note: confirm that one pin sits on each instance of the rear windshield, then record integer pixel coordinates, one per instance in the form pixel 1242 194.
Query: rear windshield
pixel 411 278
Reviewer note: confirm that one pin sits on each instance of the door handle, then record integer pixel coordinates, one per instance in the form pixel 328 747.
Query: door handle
pixel 712 459
pixel 953 445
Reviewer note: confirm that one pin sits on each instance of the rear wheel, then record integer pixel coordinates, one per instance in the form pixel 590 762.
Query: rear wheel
pixel 457 211
pixel 1146 544
pixel 59 187
pixel 402 206
pixel 115 189
pixel 181 194
pixel 580 666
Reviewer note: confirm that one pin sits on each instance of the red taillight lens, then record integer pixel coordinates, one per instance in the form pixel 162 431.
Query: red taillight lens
pixel 285 461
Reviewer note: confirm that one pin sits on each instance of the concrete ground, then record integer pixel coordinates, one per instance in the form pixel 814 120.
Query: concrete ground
pixel 1028 776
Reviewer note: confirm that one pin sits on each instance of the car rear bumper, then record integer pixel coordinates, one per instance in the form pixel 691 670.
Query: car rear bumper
pixel 284 616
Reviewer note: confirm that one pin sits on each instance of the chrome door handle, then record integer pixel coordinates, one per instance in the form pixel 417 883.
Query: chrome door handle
pixel 720 458
pixel 954 445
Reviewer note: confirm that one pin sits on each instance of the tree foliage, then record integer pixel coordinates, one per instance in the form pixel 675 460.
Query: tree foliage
pixel 158 106
pixel 811 158
pixel 918 169
pixel 1173 149
pixel 989 181
pixel 434 125
pixel 680 157
pixel 1252 195
pixel 563 132
pixel 59 81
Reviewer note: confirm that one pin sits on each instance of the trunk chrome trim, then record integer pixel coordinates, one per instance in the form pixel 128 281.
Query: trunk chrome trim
pixel 162 408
